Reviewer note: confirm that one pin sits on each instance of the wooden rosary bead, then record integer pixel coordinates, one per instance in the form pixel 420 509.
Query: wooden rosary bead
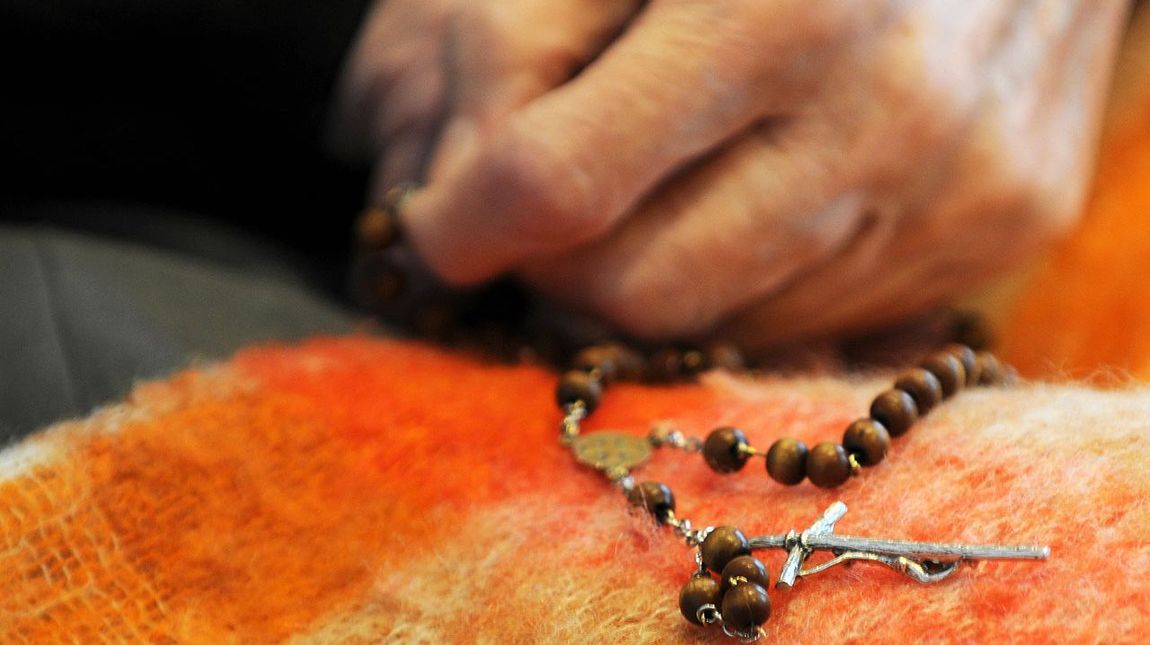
pixel 746 606
pixel 376 280
pixel 965 355
pixel 949 371
pixel 724 356
pixel 990 369
pixel 612 361
pixel 723 544
pixel 655 497
pixel 724 450
pixel 747 567
pixel 895 410
pixel 867 440
pixel 577 385
pixel 665 366
pixel 376 229
pixel 701 590
pixel 388 285
pixel 694 363
pixel 827 465
pixel 922 386
pixel 787 461
pixel 598 360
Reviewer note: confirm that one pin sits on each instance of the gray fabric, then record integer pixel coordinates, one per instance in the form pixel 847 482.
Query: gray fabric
pixel 84 317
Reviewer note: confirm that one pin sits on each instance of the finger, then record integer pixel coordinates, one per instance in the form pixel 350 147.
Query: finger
pixel 406 142
pixel 392 79
pixel 403 161
pixel 866 287
pixel 506 54
pixel 500 56
pixel 566 167
pixel 991 209
pixel 737 227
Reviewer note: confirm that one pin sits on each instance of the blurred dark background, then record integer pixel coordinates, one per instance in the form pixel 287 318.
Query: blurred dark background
pixel 212 107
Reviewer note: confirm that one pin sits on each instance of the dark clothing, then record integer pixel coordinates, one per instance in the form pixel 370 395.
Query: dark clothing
pixel 164 193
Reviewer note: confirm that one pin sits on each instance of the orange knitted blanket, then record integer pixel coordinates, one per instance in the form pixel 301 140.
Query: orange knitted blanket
pixel 353 490
pixel 357 490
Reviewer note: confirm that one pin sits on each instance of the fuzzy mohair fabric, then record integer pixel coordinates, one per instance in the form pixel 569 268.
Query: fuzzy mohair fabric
pixel 361 491
pixel 364 491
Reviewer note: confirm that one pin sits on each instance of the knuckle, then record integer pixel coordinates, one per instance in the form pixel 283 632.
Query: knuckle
pixel 1007 212
pixel 932 102
pixel 1042 198
pixel 1041 211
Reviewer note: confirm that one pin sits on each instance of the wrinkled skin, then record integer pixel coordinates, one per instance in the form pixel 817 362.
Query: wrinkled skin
pixel 763 171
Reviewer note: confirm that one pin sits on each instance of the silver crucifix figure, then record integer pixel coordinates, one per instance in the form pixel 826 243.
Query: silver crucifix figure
pixel 923 561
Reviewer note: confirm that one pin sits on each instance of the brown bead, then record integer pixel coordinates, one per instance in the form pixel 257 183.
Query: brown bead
pixel 629 364
pixel 949 371
pixel 376 229
pixel 965 355
pixel 867 440
pixel 665 365
pixel 578 386
pixel 922 386
pixel 895 410
pixel 694 363
pixel 612 361
pixel 655 497
pixel 388 285
pixel 724 356
pixel 748 568
pixel 827 465
pixel 973 374
pixel 746 606
pixel 722 545
pixel 376 281
pixel 990 369
pixel 787 461
pixel 723 450
pixel 700 590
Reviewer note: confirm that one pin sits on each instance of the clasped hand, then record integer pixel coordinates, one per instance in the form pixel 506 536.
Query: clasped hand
pixel 758 170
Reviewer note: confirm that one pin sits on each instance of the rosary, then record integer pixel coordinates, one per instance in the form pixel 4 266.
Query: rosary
pixel 388 279
pixel 738 599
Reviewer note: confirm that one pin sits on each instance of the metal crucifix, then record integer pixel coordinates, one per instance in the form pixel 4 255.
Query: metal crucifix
pixel 923 561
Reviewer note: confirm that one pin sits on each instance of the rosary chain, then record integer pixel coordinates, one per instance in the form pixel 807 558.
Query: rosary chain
pixel 573 416
pixel 664 433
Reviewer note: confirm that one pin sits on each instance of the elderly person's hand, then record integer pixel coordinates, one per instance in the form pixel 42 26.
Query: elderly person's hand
pixel 759 170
